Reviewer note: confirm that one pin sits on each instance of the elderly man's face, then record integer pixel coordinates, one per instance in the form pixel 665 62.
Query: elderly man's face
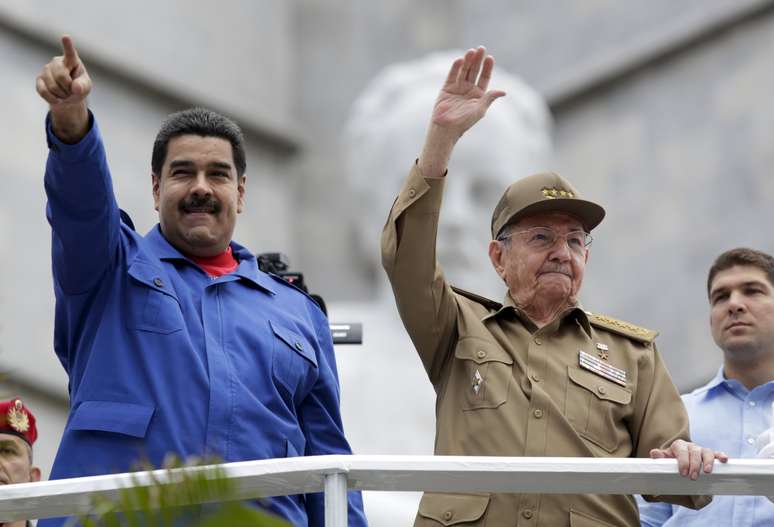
pixel 15 461
pixel 536 275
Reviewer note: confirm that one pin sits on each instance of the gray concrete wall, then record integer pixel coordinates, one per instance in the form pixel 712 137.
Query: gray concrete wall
pixel 679 151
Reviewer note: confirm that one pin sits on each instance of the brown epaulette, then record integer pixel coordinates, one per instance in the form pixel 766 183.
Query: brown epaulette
pixel 487 303
pixel 620 327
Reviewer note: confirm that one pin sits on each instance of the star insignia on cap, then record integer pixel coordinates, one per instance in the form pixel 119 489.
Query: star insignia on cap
pixel 17 417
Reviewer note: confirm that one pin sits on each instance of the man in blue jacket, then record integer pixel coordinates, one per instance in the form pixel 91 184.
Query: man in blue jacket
pixel 176 342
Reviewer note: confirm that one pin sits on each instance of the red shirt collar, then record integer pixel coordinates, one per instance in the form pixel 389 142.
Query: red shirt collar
pixel 218 265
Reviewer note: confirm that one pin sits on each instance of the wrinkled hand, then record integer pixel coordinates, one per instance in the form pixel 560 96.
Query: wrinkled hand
pixel 691 458
pixel 462 101
pixel 464 98
pixel 64 80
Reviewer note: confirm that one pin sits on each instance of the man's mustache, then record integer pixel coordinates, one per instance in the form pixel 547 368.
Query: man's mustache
pixel 556 268
pixel 200 204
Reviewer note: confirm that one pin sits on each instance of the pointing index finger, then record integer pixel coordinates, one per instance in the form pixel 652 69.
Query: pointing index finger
pixel 71 58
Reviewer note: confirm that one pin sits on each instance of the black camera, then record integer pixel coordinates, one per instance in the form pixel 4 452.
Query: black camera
pixel 278 264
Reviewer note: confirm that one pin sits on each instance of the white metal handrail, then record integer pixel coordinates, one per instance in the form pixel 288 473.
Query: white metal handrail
pixel 336 474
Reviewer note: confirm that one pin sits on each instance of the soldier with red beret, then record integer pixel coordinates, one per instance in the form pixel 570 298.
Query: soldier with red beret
pixel 17 435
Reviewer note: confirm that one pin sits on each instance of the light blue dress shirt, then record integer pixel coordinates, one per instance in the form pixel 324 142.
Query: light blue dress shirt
pixel 724 416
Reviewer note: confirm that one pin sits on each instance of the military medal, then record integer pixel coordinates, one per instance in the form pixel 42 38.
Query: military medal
pixel 477 381
pixel 603 349
pixel 601 368
pixel 17 417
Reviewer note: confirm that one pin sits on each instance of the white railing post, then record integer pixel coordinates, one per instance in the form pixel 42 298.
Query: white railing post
pixel 335 488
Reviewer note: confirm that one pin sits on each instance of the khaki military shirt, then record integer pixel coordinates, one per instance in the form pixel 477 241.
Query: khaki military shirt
pixel 506 388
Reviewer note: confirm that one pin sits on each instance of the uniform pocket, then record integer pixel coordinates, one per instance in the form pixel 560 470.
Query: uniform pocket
pixel 155 312
pixel 292 356
pixel 151 305
pixel 452 509
pixel 582 519
pixel 596 407
pixel 488 369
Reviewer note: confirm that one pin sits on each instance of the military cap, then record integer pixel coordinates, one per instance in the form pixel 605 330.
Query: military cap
pixel 545 192
pixel 16 419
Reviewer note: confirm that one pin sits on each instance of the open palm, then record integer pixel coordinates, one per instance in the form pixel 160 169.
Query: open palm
pixel 464 98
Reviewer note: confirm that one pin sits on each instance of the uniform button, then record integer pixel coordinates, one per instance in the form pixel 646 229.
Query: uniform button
pixel 158 282
pixel 602 390
pixel 299 346
pixel 538 413
pixel 535 377
pixel 448 515
pixel 413 193
pixel 538 341
pixel 750 440
pixel 527 513
pixel 481 354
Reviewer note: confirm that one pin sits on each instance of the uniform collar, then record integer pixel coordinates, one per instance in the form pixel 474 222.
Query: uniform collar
pixel 576 313
pixel 248 264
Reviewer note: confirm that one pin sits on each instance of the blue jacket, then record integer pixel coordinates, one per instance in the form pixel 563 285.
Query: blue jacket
pixel 162 358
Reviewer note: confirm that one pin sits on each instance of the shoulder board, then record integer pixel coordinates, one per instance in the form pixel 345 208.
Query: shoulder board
pixel 622 328
pixel 489 304
pixel 284 282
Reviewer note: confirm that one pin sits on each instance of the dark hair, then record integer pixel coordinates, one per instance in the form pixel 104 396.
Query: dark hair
pixel 742 256
pixel 203 122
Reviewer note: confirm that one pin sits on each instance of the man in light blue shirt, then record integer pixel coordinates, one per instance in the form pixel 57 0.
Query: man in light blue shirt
pixel 734 408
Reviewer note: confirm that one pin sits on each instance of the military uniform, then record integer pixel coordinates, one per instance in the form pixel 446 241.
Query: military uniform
pixel 506 388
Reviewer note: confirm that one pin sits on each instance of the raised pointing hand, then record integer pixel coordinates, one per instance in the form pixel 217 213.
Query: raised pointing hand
pixel 64 80
pixel 64 84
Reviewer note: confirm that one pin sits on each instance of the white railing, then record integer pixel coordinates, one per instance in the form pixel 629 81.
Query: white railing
pixel 336 474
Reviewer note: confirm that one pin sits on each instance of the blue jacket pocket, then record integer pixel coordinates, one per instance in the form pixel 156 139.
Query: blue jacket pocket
pixel 151 304
pixel 108 416
pixel 295 341
pixel 293 359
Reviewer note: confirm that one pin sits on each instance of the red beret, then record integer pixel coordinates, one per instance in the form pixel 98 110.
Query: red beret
pixel 16 419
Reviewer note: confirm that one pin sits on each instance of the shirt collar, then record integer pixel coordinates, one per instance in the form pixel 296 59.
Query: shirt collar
pixel 735 386
pixel 508 306
pixel 248 264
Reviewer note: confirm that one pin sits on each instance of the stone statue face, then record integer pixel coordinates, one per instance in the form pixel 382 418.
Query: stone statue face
pixel 385 134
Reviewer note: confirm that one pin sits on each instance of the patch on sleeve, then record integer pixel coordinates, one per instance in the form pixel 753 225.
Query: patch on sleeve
pixel 620 327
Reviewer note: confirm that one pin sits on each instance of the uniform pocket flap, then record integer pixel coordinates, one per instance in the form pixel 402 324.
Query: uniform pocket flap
pixel 295 341
pixel 152 277
pixel 452 509
pixel 107 416
pixel 599 386
pixel 480 351
pixel 581 519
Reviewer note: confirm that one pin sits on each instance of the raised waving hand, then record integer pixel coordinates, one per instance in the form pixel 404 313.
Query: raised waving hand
pixel 461 103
